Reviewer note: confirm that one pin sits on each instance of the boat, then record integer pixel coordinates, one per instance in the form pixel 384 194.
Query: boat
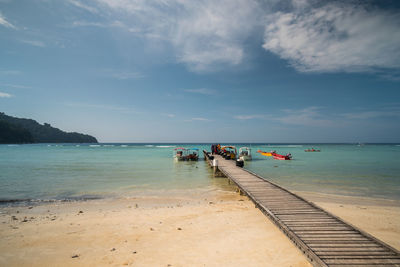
pixel 229 152
pixel 267 154
pixel 245 153
pixel 180 153
pixel 282 157
pixel 192 154
pixel 312 150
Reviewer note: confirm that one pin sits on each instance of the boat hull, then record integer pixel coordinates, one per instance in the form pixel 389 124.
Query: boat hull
pixel 246 157
pixel 281 158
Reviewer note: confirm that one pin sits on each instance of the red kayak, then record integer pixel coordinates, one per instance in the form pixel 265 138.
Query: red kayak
pixel 282 157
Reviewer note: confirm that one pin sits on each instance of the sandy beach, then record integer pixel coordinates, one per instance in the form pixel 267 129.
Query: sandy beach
pixel 224 229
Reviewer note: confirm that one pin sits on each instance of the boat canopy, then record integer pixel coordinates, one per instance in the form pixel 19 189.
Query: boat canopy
pixel 180 148
pixel 223 147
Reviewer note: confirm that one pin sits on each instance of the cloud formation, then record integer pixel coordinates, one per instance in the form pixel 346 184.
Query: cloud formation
pixel 34 43
pixel 312 35
pixel 202 91
pixel 198 119
pixel 5 95
pixel 203 34
pixel 335 37
pixel 250 117
pixel 5 23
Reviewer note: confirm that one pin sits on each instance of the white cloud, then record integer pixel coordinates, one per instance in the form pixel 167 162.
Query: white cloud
pixel 209 35
pixel 88 24
pixel 127 75
pixel 122 74
pixel 83 6
pixel 5 95
pixel 5 23
pixel 34 43
pixel 309 116
pixel 169 115
pixel 204 34
pixel 17 86
pixel 202 91
pixel 250 117
pixel 335 37
pixel 198 119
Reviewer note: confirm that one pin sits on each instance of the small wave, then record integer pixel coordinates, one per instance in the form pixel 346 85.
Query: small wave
pixel 77 145
pixel 95 145
pixel 164 146
pixel 29 201
pixel 12 145
pixel 149 145
pixel 124 145
pixel 108 145
pixel 286 146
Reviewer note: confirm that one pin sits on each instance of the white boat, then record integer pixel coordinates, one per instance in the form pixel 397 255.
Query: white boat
pixel 245 153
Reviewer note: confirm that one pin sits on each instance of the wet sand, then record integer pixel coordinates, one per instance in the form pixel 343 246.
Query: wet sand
pixel 221 230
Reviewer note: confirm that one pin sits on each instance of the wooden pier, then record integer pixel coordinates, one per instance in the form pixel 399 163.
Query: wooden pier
pixel 325 239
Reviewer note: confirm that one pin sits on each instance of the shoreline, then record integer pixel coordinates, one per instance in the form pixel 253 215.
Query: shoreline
pixel 199 193
pixel 161 230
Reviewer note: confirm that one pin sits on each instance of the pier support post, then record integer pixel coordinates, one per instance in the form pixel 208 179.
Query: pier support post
pixel 215 166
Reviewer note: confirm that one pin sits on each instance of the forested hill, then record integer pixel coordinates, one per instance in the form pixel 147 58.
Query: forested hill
pixel 18 130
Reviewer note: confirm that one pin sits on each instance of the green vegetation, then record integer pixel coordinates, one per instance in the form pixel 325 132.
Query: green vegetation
pixel 17 130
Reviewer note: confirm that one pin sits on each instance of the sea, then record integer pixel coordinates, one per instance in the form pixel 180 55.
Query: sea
pixel 35 173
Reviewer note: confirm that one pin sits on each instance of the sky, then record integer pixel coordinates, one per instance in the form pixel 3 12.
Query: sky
pixel 291 71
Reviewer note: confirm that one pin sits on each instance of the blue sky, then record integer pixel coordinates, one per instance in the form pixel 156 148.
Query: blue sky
pixel 205 71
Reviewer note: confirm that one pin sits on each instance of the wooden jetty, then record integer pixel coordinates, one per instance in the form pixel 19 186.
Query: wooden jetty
pixel 325 239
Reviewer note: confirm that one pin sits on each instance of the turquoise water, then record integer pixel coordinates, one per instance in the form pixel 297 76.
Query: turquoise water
pixel 69 171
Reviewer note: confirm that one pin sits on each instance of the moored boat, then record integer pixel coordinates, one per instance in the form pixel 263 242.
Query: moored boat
pixel 229 152
pixel 192 154
pixel 267 154
pixel 245 153
pixel 282 157
pixel 312 150
pixel 180 153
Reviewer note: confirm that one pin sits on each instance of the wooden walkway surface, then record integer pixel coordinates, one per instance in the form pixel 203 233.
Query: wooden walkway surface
pixel 324 238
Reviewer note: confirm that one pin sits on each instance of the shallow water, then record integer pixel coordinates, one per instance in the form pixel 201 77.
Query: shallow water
pixel 70 171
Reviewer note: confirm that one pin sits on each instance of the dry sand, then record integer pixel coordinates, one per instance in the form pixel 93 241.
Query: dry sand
pixel 224 230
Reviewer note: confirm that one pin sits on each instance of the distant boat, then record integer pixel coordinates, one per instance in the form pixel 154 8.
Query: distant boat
pixel 312 150
pixel 245 153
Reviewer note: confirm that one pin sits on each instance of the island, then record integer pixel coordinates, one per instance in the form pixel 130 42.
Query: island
pixel 24 131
